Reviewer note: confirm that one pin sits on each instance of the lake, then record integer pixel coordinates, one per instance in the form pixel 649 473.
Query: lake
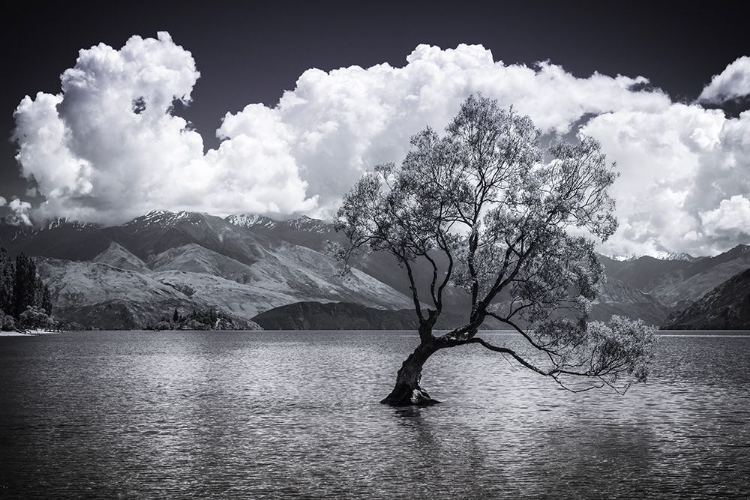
pixel 296 414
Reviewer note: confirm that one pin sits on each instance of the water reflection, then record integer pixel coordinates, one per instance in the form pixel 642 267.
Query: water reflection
pixel 295 414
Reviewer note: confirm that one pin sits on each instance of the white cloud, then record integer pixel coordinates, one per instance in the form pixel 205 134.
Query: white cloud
pixel 95 158
pixel 107 147
pixel 340 123
pixel 20 212
pixel 659 155
pixel 732 83
pixel 731 217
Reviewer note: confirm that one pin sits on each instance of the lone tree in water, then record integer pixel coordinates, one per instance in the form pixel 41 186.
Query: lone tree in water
pixel 513 226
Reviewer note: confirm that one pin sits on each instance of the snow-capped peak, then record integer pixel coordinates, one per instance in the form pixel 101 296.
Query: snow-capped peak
pixel 251 220
pixel 159 218
pixel 306 223
pixel 66 222
pixel 301 223
pixel 660 255
pixel 681 256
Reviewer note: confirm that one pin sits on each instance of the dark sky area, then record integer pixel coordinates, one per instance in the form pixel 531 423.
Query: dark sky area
pixel 251 52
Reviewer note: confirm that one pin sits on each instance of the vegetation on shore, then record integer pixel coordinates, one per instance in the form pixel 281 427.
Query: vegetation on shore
pixel 25 301
pixel 206 319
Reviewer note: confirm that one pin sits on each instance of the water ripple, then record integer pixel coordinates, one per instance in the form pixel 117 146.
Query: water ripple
pixel 295 415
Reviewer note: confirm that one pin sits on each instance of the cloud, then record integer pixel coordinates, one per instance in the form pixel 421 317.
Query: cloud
pixel 730 218
pixel 732 83
pixel 109 147
pixel 659 155
pixel 20 212
pixel 347 120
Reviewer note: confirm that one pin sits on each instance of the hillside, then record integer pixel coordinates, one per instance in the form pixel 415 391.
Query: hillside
pixel 98 295
pixel 643 272
pixel 335 316
pixel 616 297
pixel 244 265
pixel 349 316
pixel 726 307
pixel 692 282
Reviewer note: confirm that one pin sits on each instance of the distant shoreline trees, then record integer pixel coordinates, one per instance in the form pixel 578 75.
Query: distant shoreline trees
pixel 210 318
pixel 25 300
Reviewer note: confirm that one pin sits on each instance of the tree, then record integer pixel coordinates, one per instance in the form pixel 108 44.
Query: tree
pixel 34 317
pixel 513 226
pixel 7 278
pixel 25 285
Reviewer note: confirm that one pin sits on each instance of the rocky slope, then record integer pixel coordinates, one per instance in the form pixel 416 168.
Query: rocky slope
pixel 686 285
pixel 244 265
pixel 98 295
pixel 678 282
pixel 726 307
pixel 644 272
pixel 162 261
pixel 616 297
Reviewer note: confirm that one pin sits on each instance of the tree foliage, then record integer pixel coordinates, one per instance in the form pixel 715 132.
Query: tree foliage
pixel 21 290
pixel 512 224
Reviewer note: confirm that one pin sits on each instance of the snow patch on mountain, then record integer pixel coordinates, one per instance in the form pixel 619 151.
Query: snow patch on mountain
pixel 159 218
pixel 303 223
pixel 309 224
pixel 658 255
pixel 251 220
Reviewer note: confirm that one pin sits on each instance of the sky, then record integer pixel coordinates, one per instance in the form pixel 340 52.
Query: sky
pixel 236 107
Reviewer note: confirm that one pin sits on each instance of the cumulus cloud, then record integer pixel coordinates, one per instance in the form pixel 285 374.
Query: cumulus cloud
pixel 732 83
pixel 659 155
pixel 108 146
pixel 732 217
pixel 20 212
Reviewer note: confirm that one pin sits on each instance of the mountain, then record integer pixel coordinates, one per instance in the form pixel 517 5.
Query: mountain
pixel 100 296
pixel 59 239
pixel 244 265
pixel 335 316
pixel 687 284
pixel 617 297
pixel 726 307
pixel 350 316
pixel 117 256
pixel 677 282
pixel 643 272
pixel 162 261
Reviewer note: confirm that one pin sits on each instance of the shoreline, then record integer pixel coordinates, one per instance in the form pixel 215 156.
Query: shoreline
pixel 28 333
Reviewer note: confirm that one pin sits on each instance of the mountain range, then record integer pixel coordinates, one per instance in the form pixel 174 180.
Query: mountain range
pixel 726 307
pixel 134 274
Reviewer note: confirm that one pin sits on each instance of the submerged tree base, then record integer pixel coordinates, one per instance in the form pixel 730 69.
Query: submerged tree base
pixel 403 395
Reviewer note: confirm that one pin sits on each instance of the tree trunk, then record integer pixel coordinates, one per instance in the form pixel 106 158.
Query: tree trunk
pixel 407 391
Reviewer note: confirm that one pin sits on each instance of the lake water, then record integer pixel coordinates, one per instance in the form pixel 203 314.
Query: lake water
pixel 296 414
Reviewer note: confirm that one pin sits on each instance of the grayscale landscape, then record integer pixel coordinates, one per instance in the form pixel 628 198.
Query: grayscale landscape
pixel 319 250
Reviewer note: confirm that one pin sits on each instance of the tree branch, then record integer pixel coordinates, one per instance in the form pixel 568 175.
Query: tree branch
pixel 414 293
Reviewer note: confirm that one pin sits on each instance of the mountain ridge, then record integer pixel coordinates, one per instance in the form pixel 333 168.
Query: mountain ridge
pixel 725 307
pixel 250 263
